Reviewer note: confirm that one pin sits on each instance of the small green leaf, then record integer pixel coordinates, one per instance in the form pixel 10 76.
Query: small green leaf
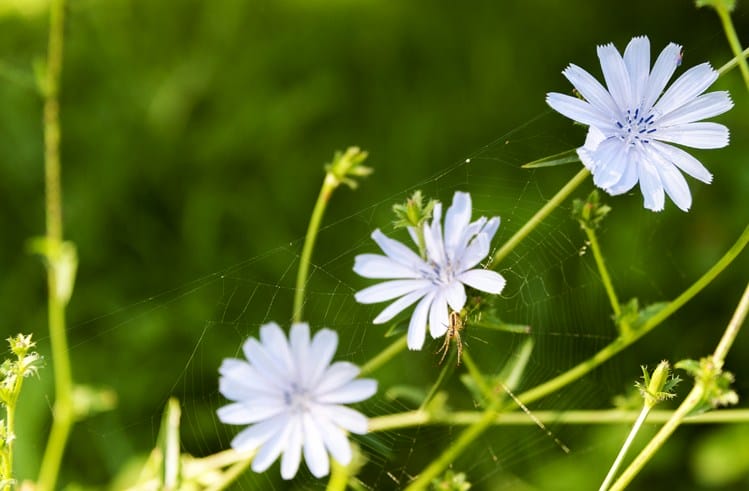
pixel 561 158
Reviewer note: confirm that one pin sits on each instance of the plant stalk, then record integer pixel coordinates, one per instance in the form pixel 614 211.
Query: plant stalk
pixel 63 407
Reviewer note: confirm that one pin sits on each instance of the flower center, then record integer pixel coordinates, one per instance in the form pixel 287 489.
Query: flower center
pixel 440 274
pixel 636 127
pixel 297 398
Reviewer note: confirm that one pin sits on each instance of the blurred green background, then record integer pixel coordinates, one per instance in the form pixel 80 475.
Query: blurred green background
pixel 194 135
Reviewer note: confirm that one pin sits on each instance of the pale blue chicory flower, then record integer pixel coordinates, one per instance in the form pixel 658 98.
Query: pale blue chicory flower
pixel 293 399
pixel 632 121
pixel 436 281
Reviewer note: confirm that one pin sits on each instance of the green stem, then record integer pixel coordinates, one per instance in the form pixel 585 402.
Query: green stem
pixel 733 62
pixel 623 451
pixel 384 356
pixel 605 278
pixel 410 419
pixel 63 406
pixel 437 383
pixel 328 186
pixel 729 336
pixel 693 399
pixel 733 39
pixel 540 215
pixel 338 477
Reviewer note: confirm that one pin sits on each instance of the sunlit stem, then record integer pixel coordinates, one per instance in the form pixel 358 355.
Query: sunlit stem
pixel 63 406
pixel 339 477
pixel 539 217
pixel 344 169
pixel 625 447
pixel 733 62
pixel 693 399
pixel 411 419
pixel 328 186
pixel 733 39
pixel 384 356
pixel 603 271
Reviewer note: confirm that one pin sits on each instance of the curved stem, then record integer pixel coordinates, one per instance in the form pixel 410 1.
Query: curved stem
pixel 605 278
pixel 63 406
pixel 384 356
pixel 328 186
pixel 733 62
pixel 693 398
pixel 623 451
pixel 729 336
pixel 733 39
pixel 536 219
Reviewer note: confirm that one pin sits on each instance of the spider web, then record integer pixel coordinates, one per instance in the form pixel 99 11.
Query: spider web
pixel 552 287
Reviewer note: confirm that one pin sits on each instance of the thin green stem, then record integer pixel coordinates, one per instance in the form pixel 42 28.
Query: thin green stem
pixel 536 219
pixel 693 399
pixel 603 271
pixel 733 39
pixel 410 419
pixel 328 186
pixel 437 383
pixel 733 62
pixel 729 336
pixel 384 356
pixel 63 406
pixel 623 451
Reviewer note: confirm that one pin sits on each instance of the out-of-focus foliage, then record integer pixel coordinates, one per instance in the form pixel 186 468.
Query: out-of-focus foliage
pixel 194 135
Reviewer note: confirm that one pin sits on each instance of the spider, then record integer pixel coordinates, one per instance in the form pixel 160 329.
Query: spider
pixel 453 332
